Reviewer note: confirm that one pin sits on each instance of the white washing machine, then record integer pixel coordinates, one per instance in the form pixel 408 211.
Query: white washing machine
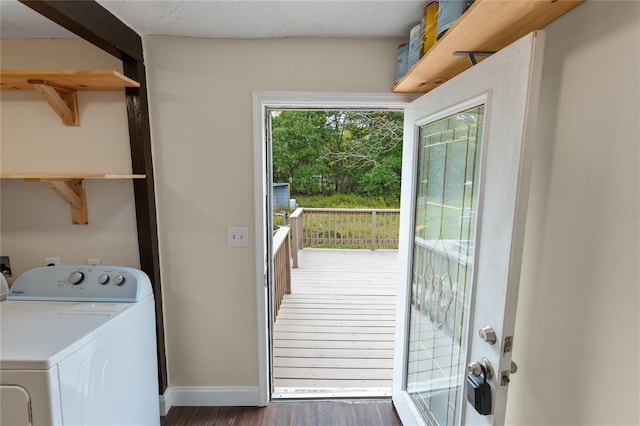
pixel 78 347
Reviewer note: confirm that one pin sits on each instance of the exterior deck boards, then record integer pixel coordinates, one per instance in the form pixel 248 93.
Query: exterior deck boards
pixel 336 329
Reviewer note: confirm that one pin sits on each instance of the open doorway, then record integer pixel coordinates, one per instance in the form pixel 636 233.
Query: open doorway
pixel 329 331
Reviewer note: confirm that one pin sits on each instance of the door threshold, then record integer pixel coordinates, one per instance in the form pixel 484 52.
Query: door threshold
pixel 311 393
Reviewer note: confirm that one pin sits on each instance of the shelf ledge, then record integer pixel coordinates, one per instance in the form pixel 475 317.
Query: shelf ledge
pixel 68 176
pixel 59 87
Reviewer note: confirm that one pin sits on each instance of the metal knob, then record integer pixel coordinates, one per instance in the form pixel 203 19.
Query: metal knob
pixel 76 277
pixel 488 334
pixel 514 367
pixel 476 368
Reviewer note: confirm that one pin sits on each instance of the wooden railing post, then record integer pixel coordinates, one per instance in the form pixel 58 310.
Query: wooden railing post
pixel 281 268
pixel 296 234
pixel 373 230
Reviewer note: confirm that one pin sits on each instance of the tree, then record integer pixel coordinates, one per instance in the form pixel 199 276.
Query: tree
pixel 367 159
pixel 353 151
pixel 298 139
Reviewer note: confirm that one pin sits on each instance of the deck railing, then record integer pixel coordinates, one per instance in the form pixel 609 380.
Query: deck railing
pixel 350 228
pixel 281 267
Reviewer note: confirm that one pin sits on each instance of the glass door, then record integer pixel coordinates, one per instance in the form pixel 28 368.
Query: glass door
pixel 442 271
pixel 467 156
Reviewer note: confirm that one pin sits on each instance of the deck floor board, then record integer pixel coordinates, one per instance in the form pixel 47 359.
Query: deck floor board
pixel 336 328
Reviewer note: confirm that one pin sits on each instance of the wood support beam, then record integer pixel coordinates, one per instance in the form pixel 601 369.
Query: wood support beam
pixel 63 101
pixel 92 22
pixel 89 20
pixel 144 189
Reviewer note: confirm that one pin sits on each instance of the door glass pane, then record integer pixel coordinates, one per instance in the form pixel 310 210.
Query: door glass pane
pixel 443 249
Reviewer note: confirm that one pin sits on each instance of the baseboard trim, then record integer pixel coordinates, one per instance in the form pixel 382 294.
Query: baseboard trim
pixel 165 402
pixel 217 396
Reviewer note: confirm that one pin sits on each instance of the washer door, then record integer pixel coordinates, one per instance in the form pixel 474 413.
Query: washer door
pixel 16 405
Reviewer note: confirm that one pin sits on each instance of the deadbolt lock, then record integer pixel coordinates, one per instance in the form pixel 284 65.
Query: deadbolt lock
pixel 487 334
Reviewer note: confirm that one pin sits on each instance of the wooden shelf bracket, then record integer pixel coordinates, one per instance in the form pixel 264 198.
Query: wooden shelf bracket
pixel 72 191
pixel 70 186
pixel 63 101
pixel 472 55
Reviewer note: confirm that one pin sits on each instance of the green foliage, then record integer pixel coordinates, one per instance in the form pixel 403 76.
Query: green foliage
pixel 298 139
pixel 338 151
pixel 380 181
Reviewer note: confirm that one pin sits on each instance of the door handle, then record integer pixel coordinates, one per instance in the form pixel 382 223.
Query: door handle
pixel 478 390
pixel 476 368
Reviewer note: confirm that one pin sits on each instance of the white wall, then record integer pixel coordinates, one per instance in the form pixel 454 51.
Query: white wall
pixel 577 329
pixel 200 94
pixel 35 222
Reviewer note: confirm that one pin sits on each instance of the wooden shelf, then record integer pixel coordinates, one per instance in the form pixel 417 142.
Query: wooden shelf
pixel 59 87
pixel 487 26
pixel 70 187
pixel 67 176
pixel 68 79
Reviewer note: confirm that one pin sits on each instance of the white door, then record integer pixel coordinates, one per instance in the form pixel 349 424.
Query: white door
pixel 465 187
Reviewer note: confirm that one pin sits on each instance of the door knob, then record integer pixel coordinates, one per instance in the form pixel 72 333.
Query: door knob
pixel 476 368
pixel 514 367
pixel 488 334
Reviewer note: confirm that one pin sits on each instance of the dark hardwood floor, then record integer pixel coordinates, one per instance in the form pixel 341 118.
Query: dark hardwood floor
pixel 290 413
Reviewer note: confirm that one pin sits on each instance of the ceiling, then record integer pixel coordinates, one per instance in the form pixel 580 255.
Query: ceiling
pixel 235 18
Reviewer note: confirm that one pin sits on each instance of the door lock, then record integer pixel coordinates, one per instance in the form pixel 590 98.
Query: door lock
pixel 478 389
pixel 488 334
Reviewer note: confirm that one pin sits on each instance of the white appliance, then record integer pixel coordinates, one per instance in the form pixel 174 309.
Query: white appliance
pixel 4 288
pixel 78 347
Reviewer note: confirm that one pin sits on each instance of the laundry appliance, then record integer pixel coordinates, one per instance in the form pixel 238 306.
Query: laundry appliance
pixel 78 347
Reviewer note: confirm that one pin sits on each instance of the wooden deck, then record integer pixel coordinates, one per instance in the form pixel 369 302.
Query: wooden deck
pixel 334 333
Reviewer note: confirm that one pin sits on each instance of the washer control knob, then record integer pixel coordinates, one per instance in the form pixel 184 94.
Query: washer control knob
pixel 103 279
pixel 118 280
pixel 76 277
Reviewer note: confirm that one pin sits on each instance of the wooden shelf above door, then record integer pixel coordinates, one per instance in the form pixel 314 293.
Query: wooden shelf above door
pixel 70 187
pixel 59 87
pixel 487 26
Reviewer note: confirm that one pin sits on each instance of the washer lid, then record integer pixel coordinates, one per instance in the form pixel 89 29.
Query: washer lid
pixel 38 335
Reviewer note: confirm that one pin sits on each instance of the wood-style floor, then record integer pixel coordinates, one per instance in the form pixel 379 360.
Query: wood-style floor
pixel 298 413
pixel 334 333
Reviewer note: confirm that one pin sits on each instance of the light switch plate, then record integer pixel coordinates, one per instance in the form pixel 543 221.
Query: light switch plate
pixel 238 236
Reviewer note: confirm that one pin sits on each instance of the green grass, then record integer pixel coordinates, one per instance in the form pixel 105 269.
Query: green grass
pixel 327 230
pixel 357 226
pixel 347 201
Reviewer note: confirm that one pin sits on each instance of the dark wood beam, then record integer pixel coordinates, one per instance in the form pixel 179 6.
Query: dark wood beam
pixel 93 23
pixel 144 192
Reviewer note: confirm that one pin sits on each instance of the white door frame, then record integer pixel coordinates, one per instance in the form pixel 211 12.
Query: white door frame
pixel 291 100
